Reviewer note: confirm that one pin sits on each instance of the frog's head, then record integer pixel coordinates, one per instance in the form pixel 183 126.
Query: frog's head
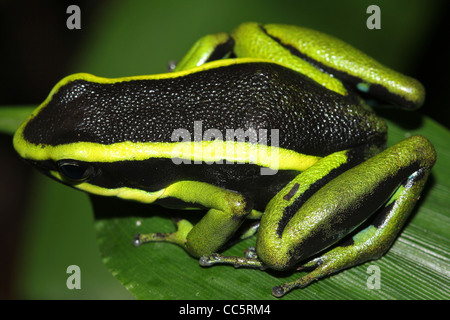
pixel 73 138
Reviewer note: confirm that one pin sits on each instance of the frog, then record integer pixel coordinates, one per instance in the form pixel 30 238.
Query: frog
pixel 269 123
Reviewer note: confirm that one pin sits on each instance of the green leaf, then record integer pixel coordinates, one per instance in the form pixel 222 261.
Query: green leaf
pixel 12 117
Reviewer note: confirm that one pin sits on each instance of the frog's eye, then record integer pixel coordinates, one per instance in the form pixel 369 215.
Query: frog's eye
pixel 75 171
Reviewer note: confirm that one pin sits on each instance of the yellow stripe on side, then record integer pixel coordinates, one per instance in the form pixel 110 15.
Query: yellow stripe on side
pixel 216 151
pixel 123 193
pixel 18 138
pixel 208 151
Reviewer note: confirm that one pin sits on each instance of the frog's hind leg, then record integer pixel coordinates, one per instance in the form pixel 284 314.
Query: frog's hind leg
pixel 308 181
pixel 376 238
pixel 368 244
pixel 384 188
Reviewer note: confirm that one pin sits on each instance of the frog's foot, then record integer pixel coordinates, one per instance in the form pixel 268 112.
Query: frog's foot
pixel 321 269
pixel 177 237
pixel 322 266
pixel 338 259
pixel 250 260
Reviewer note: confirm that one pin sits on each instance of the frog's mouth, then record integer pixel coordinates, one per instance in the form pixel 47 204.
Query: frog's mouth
pixel 43 166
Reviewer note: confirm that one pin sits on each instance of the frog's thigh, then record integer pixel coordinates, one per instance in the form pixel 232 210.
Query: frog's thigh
pixel 345 202
pixel 374 240
pixel 227 211
pixel 281 230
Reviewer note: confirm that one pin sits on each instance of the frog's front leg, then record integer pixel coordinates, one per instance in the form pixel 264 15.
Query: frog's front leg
pixel 208 48
pixel 227 211
pixel 388 184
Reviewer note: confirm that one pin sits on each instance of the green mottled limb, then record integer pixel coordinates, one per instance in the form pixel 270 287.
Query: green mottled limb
pixel 178 237
pixel 227 211
pixel 341 205
pixel 275 246
pixel 373 241
pixel 342 58
pixel 327 60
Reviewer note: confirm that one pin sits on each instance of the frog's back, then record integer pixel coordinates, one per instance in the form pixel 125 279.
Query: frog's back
pixel 311 119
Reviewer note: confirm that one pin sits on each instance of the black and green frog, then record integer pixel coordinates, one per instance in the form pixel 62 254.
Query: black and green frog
pixel 286 137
